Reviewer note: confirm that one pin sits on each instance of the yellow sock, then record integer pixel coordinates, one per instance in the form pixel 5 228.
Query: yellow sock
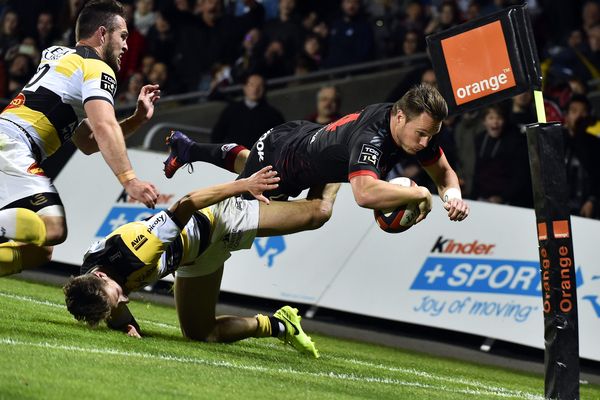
pixel 10 258
pixel 264 326
pixel 22 225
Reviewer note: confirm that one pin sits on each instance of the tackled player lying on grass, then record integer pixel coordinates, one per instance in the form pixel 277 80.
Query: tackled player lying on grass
pixel 194 237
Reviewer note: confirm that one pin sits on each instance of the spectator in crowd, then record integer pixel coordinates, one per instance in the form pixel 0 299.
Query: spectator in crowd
pixel 412 43
pixel 161 39
pixel 350 38
pixel 522 111
pixel 447 17
pixel 500 161
pixel 159 75
pixel 590 15
pixel 328 106
pixel 146 66
pixel 253 16
pixel 144 16
pixel 46 34
pixel 311 55
pixel 136 46
pixel 20 69
pixel 10 33
pixel 581 149
pixel 66 22
pixel 243 122
pixel 214 39
pixel 276 61
pixel 249 59
pixel 134 85
pixel 286 29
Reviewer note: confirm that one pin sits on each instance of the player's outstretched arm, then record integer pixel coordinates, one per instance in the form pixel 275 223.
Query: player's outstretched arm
pixel 377 194
pixel 121 319
pixel 259 182
pixel 111 143
pixel 448 187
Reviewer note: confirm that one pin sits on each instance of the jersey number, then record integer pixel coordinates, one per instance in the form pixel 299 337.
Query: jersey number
pixel 43 70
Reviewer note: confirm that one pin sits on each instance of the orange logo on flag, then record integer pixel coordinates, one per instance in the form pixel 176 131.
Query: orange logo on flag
pixel 478 63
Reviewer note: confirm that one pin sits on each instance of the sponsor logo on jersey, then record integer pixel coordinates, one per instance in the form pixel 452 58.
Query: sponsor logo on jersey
pixel 108 83
pixel 158 219
pixel 138 242
pixel 260 145
pixel 35 169
pixel 232 239
pixel 369 155
pixel 38 200
pixel 18 101
pixel 56 52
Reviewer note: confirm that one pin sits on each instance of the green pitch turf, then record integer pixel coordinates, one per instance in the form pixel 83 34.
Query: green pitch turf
pixel 46 354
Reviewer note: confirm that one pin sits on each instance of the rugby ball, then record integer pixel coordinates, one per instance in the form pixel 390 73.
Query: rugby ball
pixel 398 219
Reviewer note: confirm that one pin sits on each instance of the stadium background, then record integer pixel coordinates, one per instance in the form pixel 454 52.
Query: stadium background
pixel 380 72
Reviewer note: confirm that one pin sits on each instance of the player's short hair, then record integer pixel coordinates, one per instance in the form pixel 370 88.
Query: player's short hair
pixel 419 99
pixel 86 299
pixel 97 13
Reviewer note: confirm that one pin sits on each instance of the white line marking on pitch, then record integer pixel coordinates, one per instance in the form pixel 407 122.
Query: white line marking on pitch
pixel 257 368
pixel 412 371
pixel 59 305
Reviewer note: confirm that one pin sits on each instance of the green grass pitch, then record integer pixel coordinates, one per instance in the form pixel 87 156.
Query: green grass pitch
pixel 46 354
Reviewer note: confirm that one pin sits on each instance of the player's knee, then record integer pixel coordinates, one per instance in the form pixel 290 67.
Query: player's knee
pixel 198 334
pixel 56 231
pixel 44 256
pixel 321 213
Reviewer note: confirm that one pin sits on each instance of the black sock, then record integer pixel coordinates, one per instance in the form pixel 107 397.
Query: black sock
pixel 274 327
pixel 220 154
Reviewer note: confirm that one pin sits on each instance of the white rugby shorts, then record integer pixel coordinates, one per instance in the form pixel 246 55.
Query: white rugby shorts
pixel 235 225
pixel 20 174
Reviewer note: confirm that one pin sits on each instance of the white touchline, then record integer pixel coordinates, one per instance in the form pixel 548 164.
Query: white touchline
pixel 496 390
pixel 58 305
pixel 227 364
pixel 416 372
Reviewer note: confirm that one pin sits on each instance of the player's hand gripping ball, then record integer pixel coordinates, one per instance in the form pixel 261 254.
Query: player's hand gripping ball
pixel 398 219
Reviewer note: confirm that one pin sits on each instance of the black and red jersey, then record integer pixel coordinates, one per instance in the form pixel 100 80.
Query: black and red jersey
pixel 306 154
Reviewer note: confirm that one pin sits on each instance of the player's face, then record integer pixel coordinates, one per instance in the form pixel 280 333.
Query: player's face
pixel 113 290
pixel 116 45
pixel 414 135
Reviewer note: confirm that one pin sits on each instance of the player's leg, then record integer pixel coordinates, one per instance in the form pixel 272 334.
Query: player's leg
pixel 183 150
pixel 285 217
pixel 31 212
pixel 15 257
pixel 196 298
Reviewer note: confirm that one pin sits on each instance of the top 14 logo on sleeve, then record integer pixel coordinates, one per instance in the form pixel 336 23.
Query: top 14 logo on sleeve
pixel 369 154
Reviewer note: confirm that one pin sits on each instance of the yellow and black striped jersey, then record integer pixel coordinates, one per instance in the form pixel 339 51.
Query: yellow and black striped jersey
pixel 51 103
pixel 142 252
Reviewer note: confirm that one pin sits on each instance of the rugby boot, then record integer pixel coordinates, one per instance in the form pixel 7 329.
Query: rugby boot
pixel 179 152
pixel 294 335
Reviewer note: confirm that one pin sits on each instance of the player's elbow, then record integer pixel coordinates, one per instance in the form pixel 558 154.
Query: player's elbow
pixel 364 199
pixel 321 213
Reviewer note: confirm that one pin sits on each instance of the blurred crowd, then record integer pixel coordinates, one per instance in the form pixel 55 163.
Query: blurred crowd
pixel 192 45
pixel 189 45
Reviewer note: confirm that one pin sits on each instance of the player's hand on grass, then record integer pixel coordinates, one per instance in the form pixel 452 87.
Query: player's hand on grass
pixel 144 192
pixel 262 181
pixel 424 204
pixel 458 209
pixel 133 332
